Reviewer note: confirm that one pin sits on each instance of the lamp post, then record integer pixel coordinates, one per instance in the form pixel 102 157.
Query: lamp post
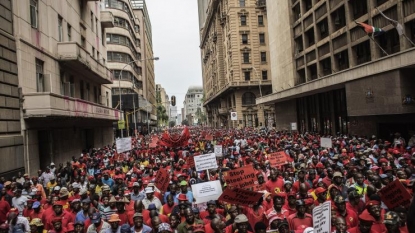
pixel 119 84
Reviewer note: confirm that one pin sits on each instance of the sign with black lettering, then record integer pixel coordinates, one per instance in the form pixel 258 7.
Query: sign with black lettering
pixel 240 196
pixel 395 194
pixel 242 178
pixel 322 218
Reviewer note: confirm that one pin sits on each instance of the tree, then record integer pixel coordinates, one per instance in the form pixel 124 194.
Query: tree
pixel 172 123
pixel 185 122
pixel 162 116
pixel 200 116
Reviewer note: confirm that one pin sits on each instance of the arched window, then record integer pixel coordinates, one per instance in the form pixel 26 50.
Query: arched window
pixel 248 98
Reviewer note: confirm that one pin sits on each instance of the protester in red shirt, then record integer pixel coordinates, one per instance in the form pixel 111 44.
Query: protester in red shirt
pixel 300 220
pixel 274 184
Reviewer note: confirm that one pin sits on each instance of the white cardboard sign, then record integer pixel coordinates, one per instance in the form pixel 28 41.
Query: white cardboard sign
pixel 205 162
pixel 123 144
pixel 326 142
pixel 204 192
pixel 322 217
pixel 218 151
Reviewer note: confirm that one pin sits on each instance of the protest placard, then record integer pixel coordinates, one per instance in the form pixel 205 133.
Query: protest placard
pixel 205 162
pixel 123 144
pixel 162 180
pixel 218 150
pixel 242 178
pixel 240 196
pixel 322 218
pixel 190 161
pixel 395 194
pixel 209 137
pixel 326 142
pixel 277 159
pixel 204 192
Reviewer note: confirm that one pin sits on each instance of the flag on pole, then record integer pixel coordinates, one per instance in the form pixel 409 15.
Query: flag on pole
pixel 370 30
pixel 395 23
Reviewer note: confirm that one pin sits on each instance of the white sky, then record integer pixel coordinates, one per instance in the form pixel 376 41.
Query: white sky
pixel 176 41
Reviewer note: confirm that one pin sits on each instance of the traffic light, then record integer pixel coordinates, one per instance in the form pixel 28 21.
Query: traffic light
pixel 173 100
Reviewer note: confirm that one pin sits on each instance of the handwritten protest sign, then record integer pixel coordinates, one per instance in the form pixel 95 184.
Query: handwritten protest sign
pixel 190 161
pixel 205 162
pixel 218 151
pixel 326 142
pixel 242 178
pixel 240 196
pixel 322 217
pixel 204 192
pixel 162 180
pixel 277 159
pixel 394 194
pixel 123 144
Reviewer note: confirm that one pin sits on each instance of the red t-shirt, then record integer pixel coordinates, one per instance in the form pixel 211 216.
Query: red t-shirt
pixel 272 185
pixel 297 224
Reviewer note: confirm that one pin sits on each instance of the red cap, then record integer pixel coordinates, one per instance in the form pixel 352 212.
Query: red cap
pixel 62 203
pixel 281 194
pixel 319 165
pixel 372 203
pixel 182 197
pixel 319 190
pixel 365 216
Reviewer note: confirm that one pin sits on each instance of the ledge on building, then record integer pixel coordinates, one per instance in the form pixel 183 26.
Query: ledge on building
pixel 107 19
pixel 47 104
pixel 337 80
pixel 77 58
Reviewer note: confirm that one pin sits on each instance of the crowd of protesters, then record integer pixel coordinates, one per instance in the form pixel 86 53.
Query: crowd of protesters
pixel 103 191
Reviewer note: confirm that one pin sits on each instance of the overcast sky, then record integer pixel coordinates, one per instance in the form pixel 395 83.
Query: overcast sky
pixel 176 41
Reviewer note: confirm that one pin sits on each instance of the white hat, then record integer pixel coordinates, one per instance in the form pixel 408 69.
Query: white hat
pixel 148 190
pixel 76 185
pixel 52 164
pixel 308 230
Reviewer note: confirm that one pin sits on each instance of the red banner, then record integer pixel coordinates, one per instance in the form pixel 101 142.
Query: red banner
pixel 242 178
pixel 190 161
pixel 395 194
pixel 209 137
pixel 240 196
pixel 277 159
pixel 180 141
pixel 162 180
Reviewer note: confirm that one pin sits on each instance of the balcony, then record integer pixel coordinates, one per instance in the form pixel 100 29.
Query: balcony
pixel 223 111
pixel 261 4
pixel 107 19
pixel 46 104
pixel 77 58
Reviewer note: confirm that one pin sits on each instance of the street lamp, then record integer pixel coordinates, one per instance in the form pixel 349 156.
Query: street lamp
pixel 119 83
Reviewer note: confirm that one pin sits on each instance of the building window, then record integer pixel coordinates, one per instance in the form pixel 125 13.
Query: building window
pixel 96 25
pixel 62 79
pixel 93 52
pixel 87 92
pixel 263 56
pixel 243 20
pixel 83 42
pixel 40 79
pixel 260 20
pixel 241 3
pixel 246 57
pixel 247 75
pixel 81 89
pixel 34 13
pixel 92 21
pixel 261 38
pixel 60 29
pixel 69 32
pixel 244 38
pixel 264 75
pixel 71 86
pixel 248 98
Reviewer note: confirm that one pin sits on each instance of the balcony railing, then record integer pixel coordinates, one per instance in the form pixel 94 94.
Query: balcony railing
pixel 107 19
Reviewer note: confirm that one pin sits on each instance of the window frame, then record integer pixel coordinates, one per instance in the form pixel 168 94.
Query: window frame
pixel 243 20
pixel 34 13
